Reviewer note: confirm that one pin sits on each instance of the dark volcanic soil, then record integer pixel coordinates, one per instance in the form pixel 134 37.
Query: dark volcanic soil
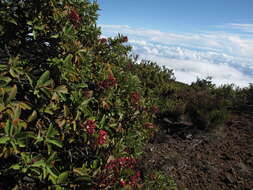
pixel 217 160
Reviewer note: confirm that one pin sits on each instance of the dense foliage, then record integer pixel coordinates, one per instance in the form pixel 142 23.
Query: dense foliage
pixel 71 115
pixel 201 103
pixel 76 109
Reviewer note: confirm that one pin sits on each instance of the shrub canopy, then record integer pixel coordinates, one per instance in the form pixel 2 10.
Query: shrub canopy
pixel 71 115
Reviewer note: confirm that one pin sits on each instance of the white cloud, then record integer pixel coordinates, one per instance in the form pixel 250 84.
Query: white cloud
pixel 188 70
pixel 242 27
pixel 227 57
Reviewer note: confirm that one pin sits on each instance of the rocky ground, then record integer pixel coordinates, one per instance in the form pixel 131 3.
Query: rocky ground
pixel 218 160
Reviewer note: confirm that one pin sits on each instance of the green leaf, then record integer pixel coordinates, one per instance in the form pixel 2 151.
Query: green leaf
pixel 15 167
pixel 3 67
pixel 40 163
pixel 13 73
pixel 37 27
pixel 20 143
pixel 55 142
pixel 12 20
pixel 17 112
pixel 32 117
pixel 4 81
pixel 52 157
pixel 85 102
pixel 7 128
pixel 55 36
pixel 23 105
pixel 43 79
pixel 36 170
pixel 4 140
pixel 29 22
pixel 62 177
pixel 14 146
pixel 38 139
pixel 34 34
pixel 66 111
pixel 30 79
pixel 50 171
pixel 51 132
pixel 61 89
pixel 81 171
pixel 68 59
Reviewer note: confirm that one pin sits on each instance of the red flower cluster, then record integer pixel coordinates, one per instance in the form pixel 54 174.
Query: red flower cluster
pixel 111 81
pixel 135 97
pixel 155 109
pixel 123 162
pixel 115 167
pixel 103 40
pixel 88 93
pixel 74 17
pixel 149 125
pixel 130 65
pixel 90 126
pixel 102 137
pixel 124 39
pixel 135 178
pixel 122 183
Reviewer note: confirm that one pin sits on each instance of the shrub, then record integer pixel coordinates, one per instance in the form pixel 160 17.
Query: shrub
pixel 202 102
pixel 206 104
pixel 68 107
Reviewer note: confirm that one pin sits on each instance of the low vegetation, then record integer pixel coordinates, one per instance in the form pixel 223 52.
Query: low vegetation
pixel 76 109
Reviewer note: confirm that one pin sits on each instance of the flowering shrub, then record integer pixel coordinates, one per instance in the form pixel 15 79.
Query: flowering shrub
pixel 107 83
pixel 201 103
pixel 112 175
pixel 74 17
pixel 67 102
pixel 103 40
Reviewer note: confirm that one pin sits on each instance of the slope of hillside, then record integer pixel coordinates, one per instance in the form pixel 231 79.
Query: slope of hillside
pixel 220 159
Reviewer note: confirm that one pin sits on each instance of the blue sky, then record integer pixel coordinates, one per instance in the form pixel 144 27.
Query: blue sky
pixel 196 38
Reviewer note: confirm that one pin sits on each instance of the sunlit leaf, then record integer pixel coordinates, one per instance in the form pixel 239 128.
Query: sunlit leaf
pixel 55 142
pixel 43 78
pixel 62 177
pixel 33 116
pixel 61 89
pixel 4 140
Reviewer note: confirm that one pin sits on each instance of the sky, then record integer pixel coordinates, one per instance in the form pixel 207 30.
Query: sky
pixel 195 38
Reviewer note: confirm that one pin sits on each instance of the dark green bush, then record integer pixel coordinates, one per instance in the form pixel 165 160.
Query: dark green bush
pixel 68 106
pixel 202 102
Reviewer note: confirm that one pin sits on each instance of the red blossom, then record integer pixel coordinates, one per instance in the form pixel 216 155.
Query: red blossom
pixel 88 93
pixel 155 109
pixel 124 39
pixel 149 125
pixel 135 97
pixel 109 82
pixel 112 80
pixel 130 65
pixel 122 162
pixel 74 17
pixel 103 40
pixel 135 178
pixel 102 133
pixel 90 126
pixel 122 183
pixel 102 137
pixel 138 174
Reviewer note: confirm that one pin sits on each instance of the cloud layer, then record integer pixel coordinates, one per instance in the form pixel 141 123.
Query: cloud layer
pixel 225 56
